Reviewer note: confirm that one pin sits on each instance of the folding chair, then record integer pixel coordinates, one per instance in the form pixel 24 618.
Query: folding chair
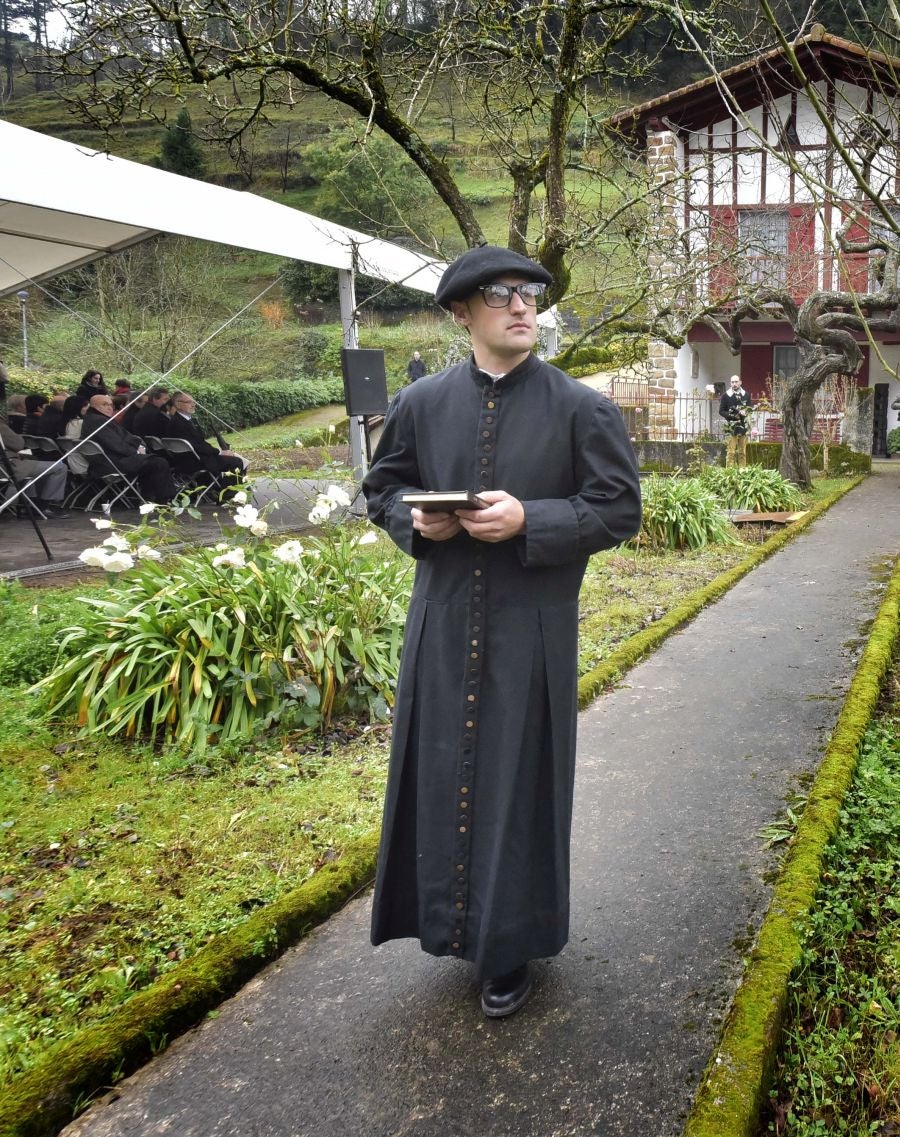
pixel 39 443
pixel 191 482
pixel 116 479
pixel 82 485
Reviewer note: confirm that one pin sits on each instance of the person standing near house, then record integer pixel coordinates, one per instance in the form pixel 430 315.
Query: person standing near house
pixel 474 858
pixel 735 408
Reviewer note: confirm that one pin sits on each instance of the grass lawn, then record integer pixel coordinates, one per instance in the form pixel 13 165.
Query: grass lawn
pixel 118 861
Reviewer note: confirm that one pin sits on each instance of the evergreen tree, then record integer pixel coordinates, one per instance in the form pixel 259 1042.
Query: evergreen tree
pixel 180 153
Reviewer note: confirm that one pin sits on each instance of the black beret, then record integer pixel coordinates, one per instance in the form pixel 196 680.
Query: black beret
pixel 481 266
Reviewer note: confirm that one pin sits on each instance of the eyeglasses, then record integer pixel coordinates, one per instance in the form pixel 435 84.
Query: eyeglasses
pixel 499 295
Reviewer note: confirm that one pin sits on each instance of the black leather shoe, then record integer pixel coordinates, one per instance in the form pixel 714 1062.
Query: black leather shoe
pixel 506 994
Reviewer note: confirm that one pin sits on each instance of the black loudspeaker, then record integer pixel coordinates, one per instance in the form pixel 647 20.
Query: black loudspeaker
pixel 365 382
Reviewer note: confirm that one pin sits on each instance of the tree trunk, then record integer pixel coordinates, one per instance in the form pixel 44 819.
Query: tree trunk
pixel 798 417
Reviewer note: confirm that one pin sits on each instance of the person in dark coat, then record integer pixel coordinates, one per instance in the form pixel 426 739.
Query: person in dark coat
pixel 225 465
pixel 734 407
pixel 416 368
pixel 91 384
pixel 151 419
pixel 474 857
pixel 126 451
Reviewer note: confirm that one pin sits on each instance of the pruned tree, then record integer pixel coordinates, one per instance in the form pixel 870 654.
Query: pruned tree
pixel 852 178
pixel 537 72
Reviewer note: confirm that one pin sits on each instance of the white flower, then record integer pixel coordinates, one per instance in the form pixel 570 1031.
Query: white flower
pixel 222 546
pixel 117 542
pixel 147 553
pixel 101 523
pixel 298 442
pixel 290 552
pixel 240 498
pixel 95 557
pixel 331 428
pixel 245 515
pixel 337 496
pixel 259 528
pixel 233 559
pixel 147 507
pixel 368 538
pixel 119 562
pixel 320 513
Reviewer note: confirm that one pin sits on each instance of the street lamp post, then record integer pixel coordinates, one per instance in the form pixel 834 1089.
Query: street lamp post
pixel 23 303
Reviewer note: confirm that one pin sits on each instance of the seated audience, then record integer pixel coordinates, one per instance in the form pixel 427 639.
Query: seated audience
pixel 72 422
pixel 46 487
pixel 126 451
pixel 136 404
pixel 223 464
pixel 15 412
pixel 91 384
pixel 34 410
pixel 151 418
pixel 50 422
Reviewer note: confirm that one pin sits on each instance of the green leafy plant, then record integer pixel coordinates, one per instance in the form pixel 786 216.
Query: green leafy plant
pixel 893 441
pixel 681 513
pixel 221 643
pixel 751 487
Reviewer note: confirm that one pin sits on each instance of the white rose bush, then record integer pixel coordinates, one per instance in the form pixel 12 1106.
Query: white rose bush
pixel 216 644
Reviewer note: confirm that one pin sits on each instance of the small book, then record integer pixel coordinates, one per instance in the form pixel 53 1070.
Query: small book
pixel 444 501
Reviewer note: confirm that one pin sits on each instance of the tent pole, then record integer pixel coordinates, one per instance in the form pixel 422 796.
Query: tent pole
pixel 350 329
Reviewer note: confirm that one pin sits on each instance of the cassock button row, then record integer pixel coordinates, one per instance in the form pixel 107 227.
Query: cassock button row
pixel 470 724
pixel 463 789
pixel 470 698
pixel 462 828
pixel 491 406
pixel 485 434
pixel 463 805
pixel 459 904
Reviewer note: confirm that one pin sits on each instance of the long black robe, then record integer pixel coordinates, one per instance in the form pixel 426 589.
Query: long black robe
pixel 474 857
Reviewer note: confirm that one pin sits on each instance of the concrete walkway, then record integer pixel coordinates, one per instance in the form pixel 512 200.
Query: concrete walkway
pixel 678 770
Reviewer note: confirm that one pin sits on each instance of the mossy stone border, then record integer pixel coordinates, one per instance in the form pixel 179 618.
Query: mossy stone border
pixel 734 1087
pixel 643 643
pixel 45 1098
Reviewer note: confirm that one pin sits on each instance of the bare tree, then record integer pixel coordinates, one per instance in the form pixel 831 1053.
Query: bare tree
pixel 536 70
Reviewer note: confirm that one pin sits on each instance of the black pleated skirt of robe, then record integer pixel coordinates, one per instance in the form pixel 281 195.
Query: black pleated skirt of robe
pixel 474 858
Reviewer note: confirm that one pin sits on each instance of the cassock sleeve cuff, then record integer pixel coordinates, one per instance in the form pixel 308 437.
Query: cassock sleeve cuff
pixel 551 533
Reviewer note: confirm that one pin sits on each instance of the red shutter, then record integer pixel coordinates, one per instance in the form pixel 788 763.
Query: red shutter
pixel 802 264
pixel 722 245
pixel 853 268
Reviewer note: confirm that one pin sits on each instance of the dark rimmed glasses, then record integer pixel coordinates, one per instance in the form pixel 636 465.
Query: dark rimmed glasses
pixel 499 295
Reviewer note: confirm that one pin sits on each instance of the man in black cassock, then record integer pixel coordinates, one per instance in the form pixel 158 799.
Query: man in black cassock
pixel 474 857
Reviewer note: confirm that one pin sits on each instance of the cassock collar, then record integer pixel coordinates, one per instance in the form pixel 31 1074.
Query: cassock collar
pixel 517 375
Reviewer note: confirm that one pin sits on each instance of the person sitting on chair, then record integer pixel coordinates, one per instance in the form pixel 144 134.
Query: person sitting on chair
pixel 126 451
pixel 151 418
pixel 225 465
pixel 48 492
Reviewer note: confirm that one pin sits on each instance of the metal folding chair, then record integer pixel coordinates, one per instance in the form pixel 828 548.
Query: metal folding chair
pixel 39 443
pixel 195 481
pixel 126 485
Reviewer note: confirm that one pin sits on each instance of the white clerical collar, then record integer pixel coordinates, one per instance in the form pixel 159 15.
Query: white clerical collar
pixel 183 415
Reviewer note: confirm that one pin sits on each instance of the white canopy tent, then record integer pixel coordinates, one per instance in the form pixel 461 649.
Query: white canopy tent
pixel 62 205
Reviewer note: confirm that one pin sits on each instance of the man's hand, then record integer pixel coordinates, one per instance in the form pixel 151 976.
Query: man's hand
pixel 503 519
pixel 436 526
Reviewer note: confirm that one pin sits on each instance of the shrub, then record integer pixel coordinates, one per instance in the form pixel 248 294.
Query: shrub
pixel 893 441
pixel 753 487
pixel 222 642
pixel 681 513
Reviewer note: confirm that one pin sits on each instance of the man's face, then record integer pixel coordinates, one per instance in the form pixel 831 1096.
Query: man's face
pixel 508 332
pixel 735 383
pixel 103 404
pixel 161 399
pixel 185 404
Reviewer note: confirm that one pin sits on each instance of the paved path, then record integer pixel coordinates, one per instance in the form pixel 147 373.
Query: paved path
pixel 678 770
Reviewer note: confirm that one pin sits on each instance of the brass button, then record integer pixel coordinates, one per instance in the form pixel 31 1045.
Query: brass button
pixel 491 406
pixel 459 904
pixel 485 434
pixel 478 572
pixel 473 655
pixel 476 627
pixel 484 461
pixel 462 829
pixel 463 805
pixel 460 868
pixel 463 789
pixel 455 947
pixel 469 723
pixel 470 698
pixel 489 419
pixel 478 587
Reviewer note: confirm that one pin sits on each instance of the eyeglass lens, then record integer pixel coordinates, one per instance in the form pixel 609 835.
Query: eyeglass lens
pixel 499 295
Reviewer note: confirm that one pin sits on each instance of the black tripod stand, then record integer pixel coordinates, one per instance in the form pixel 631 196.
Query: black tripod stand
pixel 7 467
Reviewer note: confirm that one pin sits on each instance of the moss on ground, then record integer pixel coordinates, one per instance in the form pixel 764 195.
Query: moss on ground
pixel 733 1090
